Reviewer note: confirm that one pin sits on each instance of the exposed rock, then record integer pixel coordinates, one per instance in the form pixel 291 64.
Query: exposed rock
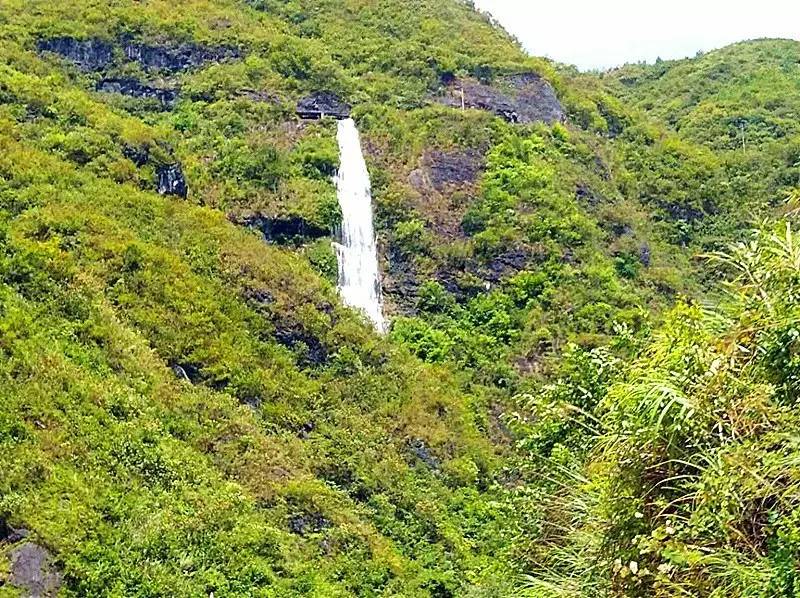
pixel 315 354
pixel 171 181
pixel 568 257
pixel 187 371
pixel 523 98
pixel 536 99
pixel 586 195
pixel 465 93
pixel 33 571
pixel 620 229
pixel 138 155
pixel 96 54
pixel 88 55
pixel 11 534
pixel 507 263
pixel 644 255
pixel 421 452
pixel 322 103
pixel 260 296
pixel 282 230
pixel 453 168
pixel 308 523
pixel 682 212
pixel 306 429
pixel 133 88
pixel 176 58
pixel 252 402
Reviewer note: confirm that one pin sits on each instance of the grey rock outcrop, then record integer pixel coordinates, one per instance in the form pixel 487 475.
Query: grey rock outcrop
pixel 453 168
pixel 33 571
pixel 175 58
pixel 88 55
pixel 171 180
pixel 522 98
pixel 136 89
pixel 96 54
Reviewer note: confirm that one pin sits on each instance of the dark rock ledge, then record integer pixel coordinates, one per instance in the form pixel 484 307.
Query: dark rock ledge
pixel 136 89
pixel 322 103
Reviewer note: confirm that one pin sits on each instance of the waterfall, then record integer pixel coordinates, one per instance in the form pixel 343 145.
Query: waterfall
pixel 359 277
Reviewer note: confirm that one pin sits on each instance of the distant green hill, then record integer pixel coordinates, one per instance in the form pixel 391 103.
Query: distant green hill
pixel 744 94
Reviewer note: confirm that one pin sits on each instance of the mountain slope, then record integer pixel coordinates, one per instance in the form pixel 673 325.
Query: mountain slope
pixel 187 407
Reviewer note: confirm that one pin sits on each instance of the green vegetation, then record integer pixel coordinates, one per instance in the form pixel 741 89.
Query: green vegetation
pixel 568 402
pixel 689 484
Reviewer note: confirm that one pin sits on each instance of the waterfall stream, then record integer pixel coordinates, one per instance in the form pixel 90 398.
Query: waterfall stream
pixel 359 277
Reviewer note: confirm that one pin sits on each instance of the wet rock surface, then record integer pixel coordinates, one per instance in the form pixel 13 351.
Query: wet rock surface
pixel 171 180
pixel 283 230
pixel 33 571
pixel 136 89
pixel 138 155
pixel 187 371
pixel 523 98
pixel 322 103
pixel 88 55
pixel 11 534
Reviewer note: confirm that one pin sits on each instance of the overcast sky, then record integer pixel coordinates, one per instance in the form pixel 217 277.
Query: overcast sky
pixel 606 33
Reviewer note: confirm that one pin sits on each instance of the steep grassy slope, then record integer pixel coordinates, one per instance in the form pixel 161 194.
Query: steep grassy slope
pixel 674 474
pixel 294 453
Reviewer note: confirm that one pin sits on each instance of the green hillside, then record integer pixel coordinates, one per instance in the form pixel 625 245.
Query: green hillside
pixel 188 409
pixel 741 102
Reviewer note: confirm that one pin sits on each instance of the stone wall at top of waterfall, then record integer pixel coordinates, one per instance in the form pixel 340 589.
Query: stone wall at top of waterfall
pixel 359 275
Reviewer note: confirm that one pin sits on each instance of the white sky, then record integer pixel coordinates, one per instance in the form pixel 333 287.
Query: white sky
pixel 606 33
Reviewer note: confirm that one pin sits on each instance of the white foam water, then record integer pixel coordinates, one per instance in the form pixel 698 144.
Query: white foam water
pixel 359 276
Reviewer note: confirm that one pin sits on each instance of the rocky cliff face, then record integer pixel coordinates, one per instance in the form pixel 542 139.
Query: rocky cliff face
pixel 89 55
pixel 176 58
pixel 522 98
pixel 96 54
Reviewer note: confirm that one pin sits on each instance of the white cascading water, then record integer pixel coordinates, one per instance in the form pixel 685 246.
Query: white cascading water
pixel 359 277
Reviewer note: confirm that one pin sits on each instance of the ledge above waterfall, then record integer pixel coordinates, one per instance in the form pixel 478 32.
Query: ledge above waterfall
pixel 322 103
